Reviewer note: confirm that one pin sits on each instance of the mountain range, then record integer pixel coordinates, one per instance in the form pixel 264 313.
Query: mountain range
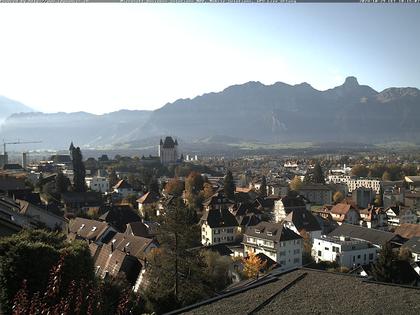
pixel 253 112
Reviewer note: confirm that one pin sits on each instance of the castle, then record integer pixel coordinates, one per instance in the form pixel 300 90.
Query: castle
pixel 168 151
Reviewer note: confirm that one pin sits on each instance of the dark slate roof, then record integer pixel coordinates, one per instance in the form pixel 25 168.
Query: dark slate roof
pixel 294 201
pixel 221 249
pixel 306 291
pixel 303 220
pixel 272 231
pixel 11 183
pixel 60 158
pixel 13 166
pixel 248 220
pixel 169 143
pixel 119 216
pixel 218 198
pixel 89 197
pixel 242 209
pixel 376 237
pixel 144 229
pixel 413 244
pixel 219 218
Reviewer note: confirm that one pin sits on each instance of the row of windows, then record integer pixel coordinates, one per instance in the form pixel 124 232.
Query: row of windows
pixel 217 231
pixel 224 238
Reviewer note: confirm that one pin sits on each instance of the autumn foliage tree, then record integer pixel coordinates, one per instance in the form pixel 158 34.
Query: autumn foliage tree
pixel 295 183
pixel 175 187
pixel 253 265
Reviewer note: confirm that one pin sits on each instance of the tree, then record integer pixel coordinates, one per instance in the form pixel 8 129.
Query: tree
pixel 176 275
pixel 113 178
pixel 338 197
pixel 386 176
pixel 79 170
pixel 153 186
pixel 207 191
pixel 194 183
pixel 316 175
pixel 253 265
pixel 385 269
pixel 62 183
pixel 295 183
pixel 263 189
pixel 21 250
pixel 229 185
pixel 175 187
pixel 360 170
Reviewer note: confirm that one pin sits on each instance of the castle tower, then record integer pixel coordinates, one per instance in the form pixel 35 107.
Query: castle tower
pixel 168 150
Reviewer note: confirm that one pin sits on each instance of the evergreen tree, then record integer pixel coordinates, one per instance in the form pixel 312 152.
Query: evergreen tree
pixel 113 178
pixel 62 183
pixel 78 171
pixel 263 189
pixel 385 269
pixel 229 185
pixel 316 175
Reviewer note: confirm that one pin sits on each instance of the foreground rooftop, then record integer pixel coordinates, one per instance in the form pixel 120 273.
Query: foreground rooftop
pixel 304 291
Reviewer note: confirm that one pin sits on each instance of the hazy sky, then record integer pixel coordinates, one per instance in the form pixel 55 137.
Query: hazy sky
pixel 103 57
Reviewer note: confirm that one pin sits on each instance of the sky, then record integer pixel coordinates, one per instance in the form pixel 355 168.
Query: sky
pixel 104 57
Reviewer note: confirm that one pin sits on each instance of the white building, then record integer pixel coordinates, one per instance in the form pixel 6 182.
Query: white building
pixel 123 188
pixel 399 215
pixel 97 183
pixel 353 184
pixel 287 204
pixel 276 241
pixel 347 252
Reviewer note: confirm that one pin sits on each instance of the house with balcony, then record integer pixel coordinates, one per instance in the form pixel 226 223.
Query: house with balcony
pixel 277 242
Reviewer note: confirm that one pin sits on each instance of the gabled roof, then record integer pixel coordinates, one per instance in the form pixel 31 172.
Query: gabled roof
pixel 134 245
pixel 119 216
pixel 218 198
pixel 123 184
pixel 148 198
pixel 219 218
pixel 241 209
pixel 376 237
pixel 303 219
pixel 88 229
pixel 408 230
pixel 144 229
pixel 272 231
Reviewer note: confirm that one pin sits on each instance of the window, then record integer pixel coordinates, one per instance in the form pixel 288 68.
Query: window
pixel 335 249
pixel 354 258
pixel 326 248
pixel 270 233
pixel 283 253
pixel 371 256
pixel 296 260
pixel 358 256
pixel 216 231
pixel 296 251
pixel 282 262
pixel 319 253
pixel 94 229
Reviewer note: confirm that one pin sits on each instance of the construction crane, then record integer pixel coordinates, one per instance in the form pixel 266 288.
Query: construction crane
pixel 16 142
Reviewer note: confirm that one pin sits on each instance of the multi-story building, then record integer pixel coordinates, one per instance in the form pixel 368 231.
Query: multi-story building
pixel 399 215
pixel 276 241
pixel 363 197
pixel 318 194
pixel 168 151
pixel 354 183
pixel 97 183
pixel 345 251
pixel 287 204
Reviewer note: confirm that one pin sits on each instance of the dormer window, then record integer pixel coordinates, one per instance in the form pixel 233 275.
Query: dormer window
pixel 113 241
pixel 94 229
pixel 126 245
pixel 257 231
pixel 81 227
pixel 270 233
